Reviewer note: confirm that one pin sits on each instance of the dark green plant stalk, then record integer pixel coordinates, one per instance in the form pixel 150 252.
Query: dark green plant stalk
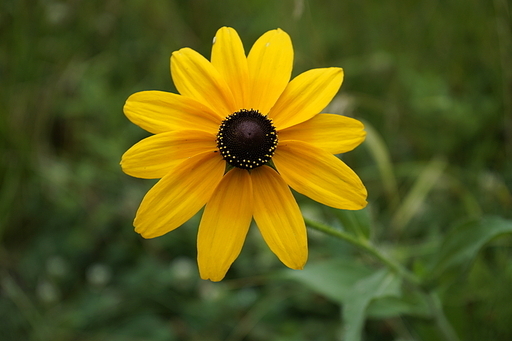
pixel 367 246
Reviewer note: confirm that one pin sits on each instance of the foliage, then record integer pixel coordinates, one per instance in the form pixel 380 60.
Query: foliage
pixel 429 259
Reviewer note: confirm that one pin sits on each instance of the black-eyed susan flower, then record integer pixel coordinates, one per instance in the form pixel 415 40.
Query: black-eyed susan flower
pixel 235 139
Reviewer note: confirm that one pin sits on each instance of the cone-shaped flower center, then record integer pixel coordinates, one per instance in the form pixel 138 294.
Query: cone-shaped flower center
pixel 247 139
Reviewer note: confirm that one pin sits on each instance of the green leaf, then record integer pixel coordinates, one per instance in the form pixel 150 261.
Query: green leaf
pixel 332 279
pixel 382 283
pixel 356 286
pixel 411 303
pixel 462 243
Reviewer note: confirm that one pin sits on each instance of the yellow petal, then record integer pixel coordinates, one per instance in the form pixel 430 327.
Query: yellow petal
pixel 333 133
pixel 179 195
pixel 195 77
pixel 278 217
pixel 158 111
pixel 319 175
pixel 224 225
pixel 270 64
pixel 155 156
pixel 228 57
pixel 305 96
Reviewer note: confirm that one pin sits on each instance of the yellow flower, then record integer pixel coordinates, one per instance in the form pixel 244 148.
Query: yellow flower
pixel 236 138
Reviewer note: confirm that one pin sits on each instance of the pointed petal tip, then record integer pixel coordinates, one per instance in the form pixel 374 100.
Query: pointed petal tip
pixel 279 30
pixel 341 72
pixel 274 33
pixel 298 262
pixel 226 28
pixel 211 274
pixel 144 233
pixel 180 52
pixel 298 267
pixel 337 71
pixel 148 232
pixel 363 205
pixel 355 205
pixel 213 278
pixel 144 230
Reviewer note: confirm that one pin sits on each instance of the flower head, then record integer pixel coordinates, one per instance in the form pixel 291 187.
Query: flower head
pixel 238 136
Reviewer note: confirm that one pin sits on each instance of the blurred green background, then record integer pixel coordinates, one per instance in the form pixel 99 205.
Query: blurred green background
pixel 431 79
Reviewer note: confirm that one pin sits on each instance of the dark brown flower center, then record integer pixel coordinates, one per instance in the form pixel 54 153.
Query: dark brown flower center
pixel 247 139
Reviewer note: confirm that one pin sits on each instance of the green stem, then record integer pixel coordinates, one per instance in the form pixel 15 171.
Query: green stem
pixel 367 246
